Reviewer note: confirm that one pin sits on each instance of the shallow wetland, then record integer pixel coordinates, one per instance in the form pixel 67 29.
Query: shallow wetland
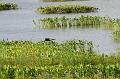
pixel 71 43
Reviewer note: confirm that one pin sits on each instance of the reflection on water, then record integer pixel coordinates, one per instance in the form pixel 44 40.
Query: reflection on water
pixel 18 25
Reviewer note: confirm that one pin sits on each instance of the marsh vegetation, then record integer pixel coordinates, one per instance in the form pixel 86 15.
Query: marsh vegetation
pixel 80 22
pixel 49 59
pixel 8 6
pixel 61 9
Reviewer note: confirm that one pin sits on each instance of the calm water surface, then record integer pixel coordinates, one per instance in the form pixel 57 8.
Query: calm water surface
pixel 18 25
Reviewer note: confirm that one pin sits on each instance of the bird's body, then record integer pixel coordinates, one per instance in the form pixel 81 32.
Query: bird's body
pixel 49 39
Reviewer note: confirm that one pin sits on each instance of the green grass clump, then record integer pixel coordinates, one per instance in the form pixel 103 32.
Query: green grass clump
pixel 66 9
pixel 52 60
pixel 8 6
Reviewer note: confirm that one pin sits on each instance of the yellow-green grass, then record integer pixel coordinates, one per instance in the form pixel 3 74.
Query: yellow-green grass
pixel 52 60
pixel 61 72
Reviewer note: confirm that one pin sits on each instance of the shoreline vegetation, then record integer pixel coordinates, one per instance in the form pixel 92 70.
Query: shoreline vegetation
pixel 62 72
pixel 49 59
pixel 8 6
pixel 82 22
pixel 61 9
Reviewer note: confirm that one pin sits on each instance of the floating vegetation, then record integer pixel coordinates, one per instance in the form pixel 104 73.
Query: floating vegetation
pixel 8 6
pixel 61 0
pixel 49 59
pixel 66 9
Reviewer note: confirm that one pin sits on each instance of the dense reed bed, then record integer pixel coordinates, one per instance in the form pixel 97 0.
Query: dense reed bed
pixel 60 9
pixel 8 6
pixel 49 60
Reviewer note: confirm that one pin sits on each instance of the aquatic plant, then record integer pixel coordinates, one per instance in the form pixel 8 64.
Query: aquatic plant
pixel 116 36
pixel 8 6
pixel 15 52
pixel 66 9
pixel 116 30
pixel 49 59
pixel 79 22
pixel 60 71
pixel 46 53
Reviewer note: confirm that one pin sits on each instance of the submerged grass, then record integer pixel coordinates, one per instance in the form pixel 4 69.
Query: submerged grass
pixel 8 6
pixel 66 9
pixel 52 60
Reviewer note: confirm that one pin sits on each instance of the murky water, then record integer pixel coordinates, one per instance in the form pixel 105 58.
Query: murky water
pixel 18 25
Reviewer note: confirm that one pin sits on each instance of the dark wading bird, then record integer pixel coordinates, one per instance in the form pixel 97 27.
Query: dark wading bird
pixel 49 39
